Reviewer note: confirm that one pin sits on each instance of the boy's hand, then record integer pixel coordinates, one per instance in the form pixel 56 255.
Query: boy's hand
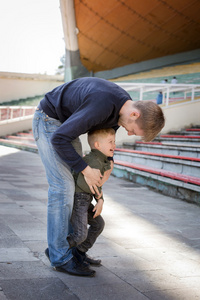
pixel 98 208
pixel 99 196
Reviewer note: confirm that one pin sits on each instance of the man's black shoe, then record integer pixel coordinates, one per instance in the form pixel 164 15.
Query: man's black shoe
pixel 84 258
pixel 73 267
pixel 47 253
pixel 84 263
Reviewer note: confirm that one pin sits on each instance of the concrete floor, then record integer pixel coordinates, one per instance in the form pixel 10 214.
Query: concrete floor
pixel 150 247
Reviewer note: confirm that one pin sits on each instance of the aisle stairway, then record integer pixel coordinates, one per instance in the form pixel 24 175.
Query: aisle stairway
pixel 170 164
pixel 21 140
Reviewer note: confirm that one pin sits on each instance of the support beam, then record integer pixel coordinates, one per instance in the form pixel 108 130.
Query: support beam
pixel 73 65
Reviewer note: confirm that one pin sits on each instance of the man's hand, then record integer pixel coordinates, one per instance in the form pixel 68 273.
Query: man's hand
pixel 92 178
pixel 98 208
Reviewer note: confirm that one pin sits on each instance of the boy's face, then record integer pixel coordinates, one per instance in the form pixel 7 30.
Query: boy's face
pixel 106 145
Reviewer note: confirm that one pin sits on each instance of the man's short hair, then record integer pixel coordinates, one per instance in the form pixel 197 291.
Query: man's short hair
pixel 151 119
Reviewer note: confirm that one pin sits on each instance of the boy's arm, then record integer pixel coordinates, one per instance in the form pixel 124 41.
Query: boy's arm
pixel 107 173
pixel 103 180
pixel 98 208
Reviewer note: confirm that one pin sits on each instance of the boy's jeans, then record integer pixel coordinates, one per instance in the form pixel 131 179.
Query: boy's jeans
pixel 82 215
pixel 61 189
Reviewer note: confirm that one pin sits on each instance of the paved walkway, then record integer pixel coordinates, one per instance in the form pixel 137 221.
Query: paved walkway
pixel 150 248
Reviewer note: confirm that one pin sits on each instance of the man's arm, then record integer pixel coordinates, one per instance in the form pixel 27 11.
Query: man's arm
pixel 88 116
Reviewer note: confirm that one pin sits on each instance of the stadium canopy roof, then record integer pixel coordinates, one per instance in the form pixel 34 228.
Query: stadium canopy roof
pixel 116 33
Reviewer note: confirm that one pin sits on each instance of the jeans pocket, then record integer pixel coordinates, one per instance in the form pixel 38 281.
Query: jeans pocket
pixel 51 124
pixel 35 126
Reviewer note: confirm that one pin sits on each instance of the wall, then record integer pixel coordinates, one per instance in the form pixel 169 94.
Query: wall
pixel 15 125
pixel 15 86
pixel 182 115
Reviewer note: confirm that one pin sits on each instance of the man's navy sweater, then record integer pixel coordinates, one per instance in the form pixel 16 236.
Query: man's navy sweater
pixel 82 105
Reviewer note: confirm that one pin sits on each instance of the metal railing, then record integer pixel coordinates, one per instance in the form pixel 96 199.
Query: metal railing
pixel 10 113
pixel 171 92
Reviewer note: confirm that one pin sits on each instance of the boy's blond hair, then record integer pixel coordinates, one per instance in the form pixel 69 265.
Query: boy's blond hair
pixel 151 119
pixel 93 136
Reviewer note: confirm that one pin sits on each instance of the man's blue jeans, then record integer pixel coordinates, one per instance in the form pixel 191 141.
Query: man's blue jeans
pixel 61 188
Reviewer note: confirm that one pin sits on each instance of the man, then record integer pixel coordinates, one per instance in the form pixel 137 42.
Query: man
pixel 64 114
pixel 174 80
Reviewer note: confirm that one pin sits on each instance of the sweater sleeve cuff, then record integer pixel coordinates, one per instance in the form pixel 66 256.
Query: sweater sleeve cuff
pixel 110 158
pixel 80 166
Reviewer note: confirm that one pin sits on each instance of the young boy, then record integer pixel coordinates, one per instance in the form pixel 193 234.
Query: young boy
pixel 102 144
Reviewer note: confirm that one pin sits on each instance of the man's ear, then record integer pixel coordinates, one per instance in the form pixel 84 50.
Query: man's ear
pixel 135 114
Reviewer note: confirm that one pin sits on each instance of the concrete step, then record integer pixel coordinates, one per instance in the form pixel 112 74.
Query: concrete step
pixel 171 139
pixel 169 183
pixel 22 141
pixel 27 138
pixel 19 145
pixel 191 132
pixel 180 164
pixel 170 164
pixel 165 148
pixel 170 169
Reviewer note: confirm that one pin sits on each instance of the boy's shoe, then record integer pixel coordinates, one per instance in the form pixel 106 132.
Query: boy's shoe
pixel 73 267
pixel 84 258
pixel 92 261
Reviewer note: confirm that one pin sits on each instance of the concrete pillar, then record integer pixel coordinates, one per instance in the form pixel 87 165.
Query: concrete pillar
pixel 73 65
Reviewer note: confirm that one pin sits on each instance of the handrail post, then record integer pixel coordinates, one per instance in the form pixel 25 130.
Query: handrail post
pixel 167 98
pixel 11 113
pixel 21 112
pixel 192 96
pixel 141 93
pixel 7 113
